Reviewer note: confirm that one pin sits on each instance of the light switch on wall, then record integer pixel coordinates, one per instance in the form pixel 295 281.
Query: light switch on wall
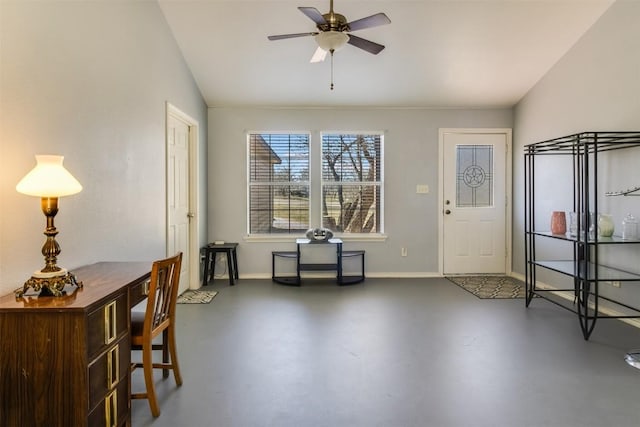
pixel 422 189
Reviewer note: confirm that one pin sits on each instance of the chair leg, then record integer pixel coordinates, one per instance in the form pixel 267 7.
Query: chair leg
pixel 174 355
pixel 165 352
pixel 147 364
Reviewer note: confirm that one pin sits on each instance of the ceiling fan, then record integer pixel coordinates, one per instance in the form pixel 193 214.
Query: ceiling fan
pixel 333 32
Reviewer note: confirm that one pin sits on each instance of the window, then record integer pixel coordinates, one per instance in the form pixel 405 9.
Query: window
pixel 352 182
pixel 344 193
pixel 474 176
pixel 278 183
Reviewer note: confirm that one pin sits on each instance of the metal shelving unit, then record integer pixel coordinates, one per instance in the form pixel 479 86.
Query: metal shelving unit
pixel 337 266
pixel 583 266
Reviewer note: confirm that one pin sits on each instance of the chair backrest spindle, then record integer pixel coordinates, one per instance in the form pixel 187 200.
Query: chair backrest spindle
pixel 165 275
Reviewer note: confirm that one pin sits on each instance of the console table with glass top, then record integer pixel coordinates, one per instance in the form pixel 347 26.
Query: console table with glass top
pixel 309 266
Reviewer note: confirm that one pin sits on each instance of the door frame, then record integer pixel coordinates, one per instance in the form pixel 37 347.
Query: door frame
pixel 194 223
pixel 508 190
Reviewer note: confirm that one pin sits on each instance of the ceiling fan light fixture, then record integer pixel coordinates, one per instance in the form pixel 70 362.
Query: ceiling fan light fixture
pixel 331 40
pixel 319 55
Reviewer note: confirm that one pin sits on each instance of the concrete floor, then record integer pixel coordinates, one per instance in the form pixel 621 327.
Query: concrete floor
pixel 391 352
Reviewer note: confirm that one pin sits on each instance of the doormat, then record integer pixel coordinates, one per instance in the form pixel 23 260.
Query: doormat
pixel 196 297
pixel 490 287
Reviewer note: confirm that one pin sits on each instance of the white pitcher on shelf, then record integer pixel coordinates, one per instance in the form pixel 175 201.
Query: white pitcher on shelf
pixel 605 225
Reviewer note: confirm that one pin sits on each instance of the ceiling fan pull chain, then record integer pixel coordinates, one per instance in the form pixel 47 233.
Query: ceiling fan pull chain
pixel 331 51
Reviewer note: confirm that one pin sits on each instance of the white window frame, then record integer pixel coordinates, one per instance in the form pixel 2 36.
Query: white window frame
pixel 379 183
pixel 250 183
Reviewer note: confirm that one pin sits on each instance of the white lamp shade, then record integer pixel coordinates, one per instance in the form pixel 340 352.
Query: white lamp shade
pixel 49 179
pixel 331 40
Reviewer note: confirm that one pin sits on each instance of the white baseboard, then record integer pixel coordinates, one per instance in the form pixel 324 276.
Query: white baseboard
pixel 403 275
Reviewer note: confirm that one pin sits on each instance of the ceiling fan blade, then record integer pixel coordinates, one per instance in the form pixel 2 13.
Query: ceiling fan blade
pixel 363 44
pixel 370 21
pixel 314 15
pixel 319 55
pixel 291 36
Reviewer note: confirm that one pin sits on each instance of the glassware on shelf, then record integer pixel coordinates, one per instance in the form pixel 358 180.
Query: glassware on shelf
pixel 592 226
pixel 573 224
pixel 629 228
pixel 605 225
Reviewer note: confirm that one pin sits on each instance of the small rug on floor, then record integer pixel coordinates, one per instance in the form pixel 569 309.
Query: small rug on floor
pixel 487 287
pixel 196 297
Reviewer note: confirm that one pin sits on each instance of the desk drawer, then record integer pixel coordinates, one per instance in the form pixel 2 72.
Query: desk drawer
pixel 113 409
pixel 108 370
pixel 107 323
pixel 138 291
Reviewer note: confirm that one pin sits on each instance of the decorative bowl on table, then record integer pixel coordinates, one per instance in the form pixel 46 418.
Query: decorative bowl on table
pixel 319 235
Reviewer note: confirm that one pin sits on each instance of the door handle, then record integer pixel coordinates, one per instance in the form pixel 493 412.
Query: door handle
pixel 191 215
pixel 447 212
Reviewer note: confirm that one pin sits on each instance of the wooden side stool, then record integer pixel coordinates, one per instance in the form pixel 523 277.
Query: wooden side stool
pixel 210 252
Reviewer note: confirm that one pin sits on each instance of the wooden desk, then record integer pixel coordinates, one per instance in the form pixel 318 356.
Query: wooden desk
pixel 65 361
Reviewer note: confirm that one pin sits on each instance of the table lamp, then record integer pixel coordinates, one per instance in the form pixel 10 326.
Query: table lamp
pixel 49 180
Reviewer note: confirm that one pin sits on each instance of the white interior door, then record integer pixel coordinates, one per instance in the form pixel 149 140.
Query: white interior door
pixel 474 201
pixel 179 215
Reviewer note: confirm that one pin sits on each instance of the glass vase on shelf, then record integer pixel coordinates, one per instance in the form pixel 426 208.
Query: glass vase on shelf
pixel 573 224
pixel 558 222
pixel 592 226
pixel 629 228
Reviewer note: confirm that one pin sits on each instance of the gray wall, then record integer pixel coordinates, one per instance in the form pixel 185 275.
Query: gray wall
pixel 89 80
pixel 595 86
pixel 411 157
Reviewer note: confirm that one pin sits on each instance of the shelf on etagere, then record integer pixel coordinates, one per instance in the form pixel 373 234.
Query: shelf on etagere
pixel 601 240
pixel 578 268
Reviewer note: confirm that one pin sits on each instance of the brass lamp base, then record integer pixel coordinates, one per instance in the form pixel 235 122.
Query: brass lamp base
pixel 49 284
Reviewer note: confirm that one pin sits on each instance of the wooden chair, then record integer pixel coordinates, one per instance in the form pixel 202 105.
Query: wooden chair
pixel 159 317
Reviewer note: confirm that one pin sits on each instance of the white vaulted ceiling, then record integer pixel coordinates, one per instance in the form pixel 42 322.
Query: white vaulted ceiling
pixel 439 53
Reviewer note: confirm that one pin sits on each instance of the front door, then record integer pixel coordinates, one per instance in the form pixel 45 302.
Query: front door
pixel 474 205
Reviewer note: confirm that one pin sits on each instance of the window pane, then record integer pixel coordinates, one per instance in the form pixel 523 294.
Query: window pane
pixel 278 183
pixel 279 157
pixel 351 158
pixel 351 208
pixel 474 176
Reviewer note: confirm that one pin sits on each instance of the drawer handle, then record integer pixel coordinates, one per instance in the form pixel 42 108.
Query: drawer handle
pixel 113 366
pixel 111 409
pixel 145 287
pixel 110 327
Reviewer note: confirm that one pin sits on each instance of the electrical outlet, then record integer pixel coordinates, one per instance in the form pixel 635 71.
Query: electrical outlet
pixel 403 251
pixel 422 189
